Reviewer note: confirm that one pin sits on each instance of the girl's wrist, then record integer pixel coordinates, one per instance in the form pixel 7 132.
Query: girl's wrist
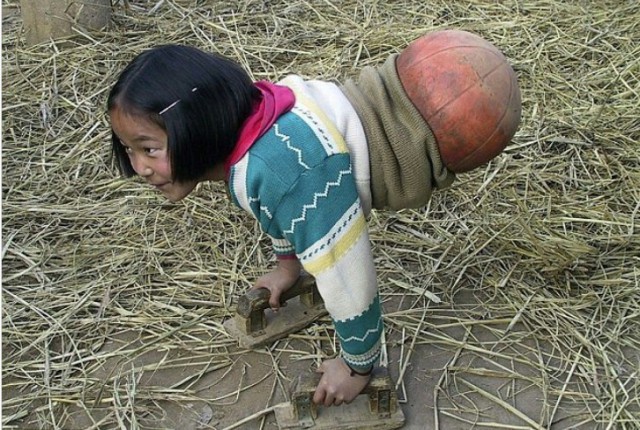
pixel 359 372
pixel 292 266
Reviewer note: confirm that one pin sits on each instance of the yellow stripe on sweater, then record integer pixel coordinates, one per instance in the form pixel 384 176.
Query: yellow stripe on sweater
pixel 315 109
pixel 350 238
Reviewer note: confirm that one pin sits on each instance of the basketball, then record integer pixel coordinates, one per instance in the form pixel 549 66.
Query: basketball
pixel 467 92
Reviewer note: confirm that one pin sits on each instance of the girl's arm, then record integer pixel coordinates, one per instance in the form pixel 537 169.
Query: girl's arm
pixel 322 217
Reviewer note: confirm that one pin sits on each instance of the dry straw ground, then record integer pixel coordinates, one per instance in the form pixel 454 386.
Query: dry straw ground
pixel 512 300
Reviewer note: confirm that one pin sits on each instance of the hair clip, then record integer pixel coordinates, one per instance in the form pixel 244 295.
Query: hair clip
pixel 193 90
pixel 169 107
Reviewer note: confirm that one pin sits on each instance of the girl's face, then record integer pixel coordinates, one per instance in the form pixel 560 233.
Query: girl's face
pixel 146 145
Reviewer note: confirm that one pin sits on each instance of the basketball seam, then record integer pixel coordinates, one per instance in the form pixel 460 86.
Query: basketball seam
pixel 465 90
pixel 511 95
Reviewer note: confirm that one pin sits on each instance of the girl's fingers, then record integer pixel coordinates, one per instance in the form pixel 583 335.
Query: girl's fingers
pixel 274 300
pixel 328 399
pixel 319 396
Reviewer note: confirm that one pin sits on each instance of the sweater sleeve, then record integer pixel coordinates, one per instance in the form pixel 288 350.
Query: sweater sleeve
pixel 322 217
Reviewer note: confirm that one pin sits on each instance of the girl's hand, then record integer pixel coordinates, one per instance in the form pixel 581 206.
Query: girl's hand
pixel 280 280
pixel 337 385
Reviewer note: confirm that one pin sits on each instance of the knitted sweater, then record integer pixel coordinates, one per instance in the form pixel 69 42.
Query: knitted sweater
pixel 305 185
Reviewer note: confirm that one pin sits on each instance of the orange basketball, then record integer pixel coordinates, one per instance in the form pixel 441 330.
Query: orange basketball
pixel 466 91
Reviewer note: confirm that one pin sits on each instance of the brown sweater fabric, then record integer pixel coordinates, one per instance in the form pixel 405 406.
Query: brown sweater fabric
pixel 405 162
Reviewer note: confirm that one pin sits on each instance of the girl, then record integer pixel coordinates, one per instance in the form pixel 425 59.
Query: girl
pixel 308 159
pixel 181 116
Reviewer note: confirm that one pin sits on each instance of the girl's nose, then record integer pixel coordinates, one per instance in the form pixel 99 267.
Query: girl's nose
pixel 146 172
pixel 140 167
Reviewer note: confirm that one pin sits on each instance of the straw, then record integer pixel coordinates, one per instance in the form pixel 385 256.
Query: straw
pixel 522 279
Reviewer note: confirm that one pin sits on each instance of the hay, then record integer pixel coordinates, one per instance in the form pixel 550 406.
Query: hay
pixel 525 272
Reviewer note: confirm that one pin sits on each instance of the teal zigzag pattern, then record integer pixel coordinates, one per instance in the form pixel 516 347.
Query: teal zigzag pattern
pixel 287 140
pixel 316 198
pixel 363 338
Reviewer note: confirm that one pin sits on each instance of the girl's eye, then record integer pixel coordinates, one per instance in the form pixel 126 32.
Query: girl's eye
pixel 150 150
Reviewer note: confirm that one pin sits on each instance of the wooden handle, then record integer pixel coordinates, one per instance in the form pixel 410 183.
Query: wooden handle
pixel 258 299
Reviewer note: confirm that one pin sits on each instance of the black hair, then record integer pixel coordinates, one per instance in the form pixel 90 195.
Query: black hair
pixel 199 99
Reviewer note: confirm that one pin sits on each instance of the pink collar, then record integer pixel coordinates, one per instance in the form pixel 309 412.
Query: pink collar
pixel 275 100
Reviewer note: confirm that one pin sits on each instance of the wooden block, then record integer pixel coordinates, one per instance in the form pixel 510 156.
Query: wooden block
pixel 255 325
pixel 375 408
pixel 291 319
